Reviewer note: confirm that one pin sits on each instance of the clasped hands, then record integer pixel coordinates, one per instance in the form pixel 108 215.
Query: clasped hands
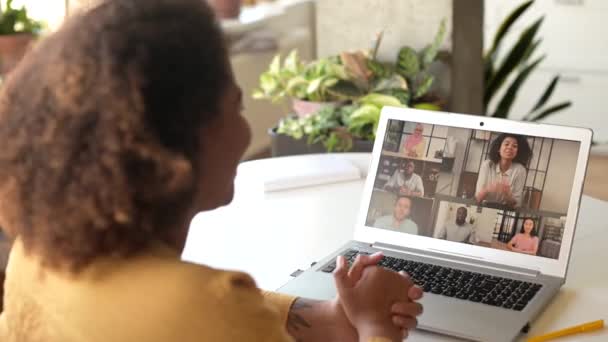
pixel 376 302
pixel 500 188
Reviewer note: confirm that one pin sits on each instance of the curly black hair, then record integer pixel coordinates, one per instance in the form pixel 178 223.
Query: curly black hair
pixel 100 128
pixel 533 232
pixel 524 152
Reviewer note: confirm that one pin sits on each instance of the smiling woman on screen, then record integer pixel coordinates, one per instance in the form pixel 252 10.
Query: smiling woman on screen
pixel 502 176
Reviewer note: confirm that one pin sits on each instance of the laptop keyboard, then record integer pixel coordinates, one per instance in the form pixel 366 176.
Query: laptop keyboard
pixel 449 282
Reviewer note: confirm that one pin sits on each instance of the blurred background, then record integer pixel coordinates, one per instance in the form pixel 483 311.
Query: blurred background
pixel 567 44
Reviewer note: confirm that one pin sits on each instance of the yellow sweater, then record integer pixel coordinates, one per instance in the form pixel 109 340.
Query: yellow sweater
pixel 151 297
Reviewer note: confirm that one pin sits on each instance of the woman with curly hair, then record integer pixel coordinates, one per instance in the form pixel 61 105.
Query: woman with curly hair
pixel 115 131
pixel 503 175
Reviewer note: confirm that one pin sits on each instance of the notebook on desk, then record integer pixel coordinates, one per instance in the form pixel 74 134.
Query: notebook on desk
pixel 481 212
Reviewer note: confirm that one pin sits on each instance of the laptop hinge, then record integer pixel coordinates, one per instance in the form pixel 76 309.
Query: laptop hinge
pixel 458 258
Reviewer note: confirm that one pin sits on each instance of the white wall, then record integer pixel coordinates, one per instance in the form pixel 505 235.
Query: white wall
pixel 560 176
pixel 350 25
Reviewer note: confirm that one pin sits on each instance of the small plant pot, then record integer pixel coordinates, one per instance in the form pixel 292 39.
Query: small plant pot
pixel 226 9
pixel 12 49
pixel 284 145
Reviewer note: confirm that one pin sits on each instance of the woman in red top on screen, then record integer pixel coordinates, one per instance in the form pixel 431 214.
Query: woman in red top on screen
pixel 526 240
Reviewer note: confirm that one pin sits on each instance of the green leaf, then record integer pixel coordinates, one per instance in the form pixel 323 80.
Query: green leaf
pixel 296 83
pixel 402 95
pixel 430 52
pixel 546 95
pixel 424 86
pixel 380 100
pixel 258 94
pixel 408 64
pixel 328 82
pixel 427 106
pixel 14 20
pixel 551 110
pixel 344 90
pixel 488 72
pixel 394 81
pixel 503 108
pixel 504 28
pixel 292 62
pixel 338 142
pixel 337 70
pixel 380 70
pixel 275 65
pixel 532 49
pixel 513 59
pixel 314 85
pixel 364 121
pixel 268 83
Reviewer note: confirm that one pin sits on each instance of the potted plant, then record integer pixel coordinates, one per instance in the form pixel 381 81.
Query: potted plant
pixel 350 89
pixel 17 32
pixel 518 60
pixel 310 86
pixel 226 9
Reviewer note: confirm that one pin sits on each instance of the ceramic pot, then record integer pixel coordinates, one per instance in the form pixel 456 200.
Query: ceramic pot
pixel 284 145
pixel 226 9
pixel 12 49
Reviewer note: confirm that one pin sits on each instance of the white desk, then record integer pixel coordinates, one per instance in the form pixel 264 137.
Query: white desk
pixel 269 235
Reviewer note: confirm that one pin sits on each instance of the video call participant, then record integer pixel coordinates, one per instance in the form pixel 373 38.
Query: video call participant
pixel 502 176
pixel 526 240
pixel 458 231
pixel 405 181
pixel 400 219
pixel 414 143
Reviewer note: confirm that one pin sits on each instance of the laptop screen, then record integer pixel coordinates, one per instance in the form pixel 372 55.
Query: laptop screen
pixel 491 189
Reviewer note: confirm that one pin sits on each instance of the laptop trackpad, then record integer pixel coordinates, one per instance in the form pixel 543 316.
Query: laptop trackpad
pixel 468 320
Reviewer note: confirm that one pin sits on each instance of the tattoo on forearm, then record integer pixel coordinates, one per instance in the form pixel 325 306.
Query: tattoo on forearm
pixel 295 320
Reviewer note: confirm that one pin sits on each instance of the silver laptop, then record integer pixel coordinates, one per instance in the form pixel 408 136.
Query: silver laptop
pixel 481 212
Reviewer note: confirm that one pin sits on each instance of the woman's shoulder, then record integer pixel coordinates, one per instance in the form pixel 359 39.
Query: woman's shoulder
pixel 196 276
pixel 488 163
pixel 518 167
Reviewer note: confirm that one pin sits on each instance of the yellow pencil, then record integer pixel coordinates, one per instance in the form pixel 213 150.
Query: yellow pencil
pixel 586 327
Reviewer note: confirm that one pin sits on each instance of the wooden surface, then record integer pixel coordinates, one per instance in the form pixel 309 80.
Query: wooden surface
pixel 596 182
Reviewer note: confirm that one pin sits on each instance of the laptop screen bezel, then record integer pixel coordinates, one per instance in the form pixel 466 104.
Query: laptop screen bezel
pixel 547 266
